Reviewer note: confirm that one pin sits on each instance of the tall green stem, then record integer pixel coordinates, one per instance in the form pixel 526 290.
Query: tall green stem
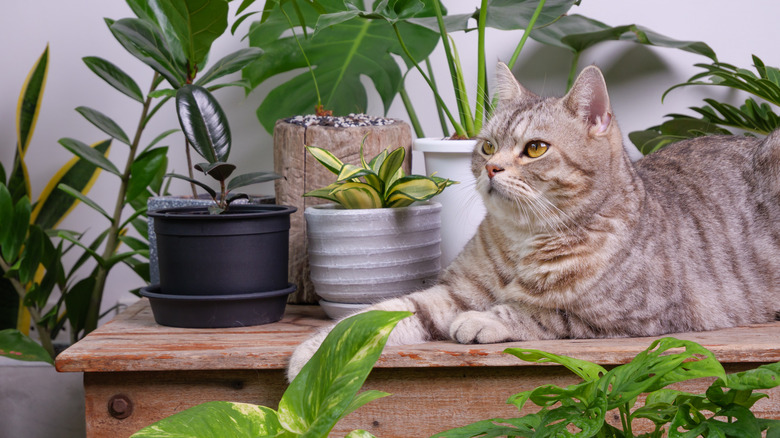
pixel 305 58
pixel 458 128
pixel 114 232
pixel 439 109
pixel 573 70
pixel 418 131
pixel 479 113
pixel 460 95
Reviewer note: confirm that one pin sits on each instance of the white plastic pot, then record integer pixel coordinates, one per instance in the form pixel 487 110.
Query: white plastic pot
pixel 462 208
pixel 360 257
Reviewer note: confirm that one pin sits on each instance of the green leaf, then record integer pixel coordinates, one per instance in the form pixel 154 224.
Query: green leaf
pixel 326 158
pixel 391 165
pixel 147 44
pixel 585 370
pixel 77 301
pixel 357 195
pixel 32 255
pixel 497 427
pixel 219 171
pixel 339 56
pixel 30 100
pixel 326 386
pixel 17 232
pixel 417 187
pixel 104 123
pixel 578 33
pixel 196 24
pixel 83 198
pixel 350 171
pixel 54 205
pixel 251 178
pixel 17 346
pixel 216 419
pixel 205 187
pixel 115 77
pixel 364 398
pixel 144 170
pixel 6 213
pixel 230 63
pixel 324 193
pixel 87 153
pixel 764 377
pixel 203 122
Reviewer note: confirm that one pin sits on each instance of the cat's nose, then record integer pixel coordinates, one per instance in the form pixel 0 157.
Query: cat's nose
pixel 492 170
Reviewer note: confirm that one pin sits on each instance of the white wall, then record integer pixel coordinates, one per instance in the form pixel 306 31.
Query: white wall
pixel 636 75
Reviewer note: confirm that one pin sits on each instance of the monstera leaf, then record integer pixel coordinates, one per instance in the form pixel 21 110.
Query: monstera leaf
pixel 339 55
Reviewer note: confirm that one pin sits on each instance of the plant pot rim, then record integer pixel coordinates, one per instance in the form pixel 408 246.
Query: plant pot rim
pixel 235 212
pixel 443 145
pixel 153 291
pixel 336 209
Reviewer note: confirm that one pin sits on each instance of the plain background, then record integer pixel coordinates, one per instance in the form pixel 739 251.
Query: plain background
pixel 636 76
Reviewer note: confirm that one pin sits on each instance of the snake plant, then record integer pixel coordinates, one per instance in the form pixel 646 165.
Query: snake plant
pixel 379 183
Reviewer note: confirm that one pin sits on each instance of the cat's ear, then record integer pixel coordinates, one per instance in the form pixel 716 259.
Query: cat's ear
pixel 588 99
pixel 507 87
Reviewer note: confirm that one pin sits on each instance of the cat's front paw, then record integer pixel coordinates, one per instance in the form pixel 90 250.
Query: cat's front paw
pixel 478 328
pixel 303 353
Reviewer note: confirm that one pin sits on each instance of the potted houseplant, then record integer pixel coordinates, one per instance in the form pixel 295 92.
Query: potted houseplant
pixel 222 265
pixel 378 238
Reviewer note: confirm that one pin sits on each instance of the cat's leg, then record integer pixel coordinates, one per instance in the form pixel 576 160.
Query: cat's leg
pixel 510 322
pixel 433 311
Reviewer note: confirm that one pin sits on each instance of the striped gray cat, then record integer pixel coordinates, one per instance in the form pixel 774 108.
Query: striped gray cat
pixel 579 242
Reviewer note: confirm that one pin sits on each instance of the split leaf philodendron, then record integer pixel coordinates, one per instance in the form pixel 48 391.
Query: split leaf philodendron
pixel 379 183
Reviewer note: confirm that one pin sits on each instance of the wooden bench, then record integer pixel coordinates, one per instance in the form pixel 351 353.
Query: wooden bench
pixel 137 372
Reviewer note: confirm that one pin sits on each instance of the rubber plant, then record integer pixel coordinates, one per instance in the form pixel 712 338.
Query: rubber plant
pixel 378 183
pixel 30 262
pixel 324 391
pixel 207 130
pixel 716 117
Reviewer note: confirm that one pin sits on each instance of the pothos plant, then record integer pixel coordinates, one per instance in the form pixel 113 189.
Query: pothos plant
pixel 327 389
pixel 207 130
pixel 378 183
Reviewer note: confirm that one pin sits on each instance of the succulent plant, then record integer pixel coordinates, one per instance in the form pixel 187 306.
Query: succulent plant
pixel 206 128
pixel 379 183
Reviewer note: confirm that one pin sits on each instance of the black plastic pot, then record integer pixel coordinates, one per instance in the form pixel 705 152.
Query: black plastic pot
pixel 242 251
pixel 217 311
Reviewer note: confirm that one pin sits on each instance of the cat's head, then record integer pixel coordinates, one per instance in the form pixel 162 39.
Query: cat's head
pixel 538 157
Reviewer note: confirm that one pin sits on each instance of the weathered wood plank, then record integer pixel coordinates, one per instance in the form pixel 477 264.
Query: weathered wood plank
pixel 133 342
pixel 302 173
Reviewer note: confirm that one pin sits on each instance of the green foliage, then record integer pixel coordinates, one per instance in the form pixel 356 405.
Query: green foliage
pixel 325 391
pixel 579 410
pixel 206 128
pixel 716 117
pixel 338 55
pixel 380 183
pixel 20 347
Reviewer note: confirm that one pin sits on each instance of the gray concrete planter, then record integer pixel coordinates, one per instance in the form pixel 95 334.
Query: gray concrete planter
pixel 360 257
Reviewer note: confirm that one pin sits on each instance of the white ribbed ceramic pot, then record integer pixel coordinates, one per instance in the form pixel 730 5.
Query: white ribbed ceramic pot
pixel 368 255
pixel 462 208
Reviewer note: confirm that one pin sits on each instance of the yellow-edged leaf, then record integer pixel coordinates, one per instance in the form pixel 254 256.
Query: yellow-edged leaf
pixel 357 195
pixel 392 164
pixel 326 159
pixel 29 104
pixel 416 187
pixel 54 205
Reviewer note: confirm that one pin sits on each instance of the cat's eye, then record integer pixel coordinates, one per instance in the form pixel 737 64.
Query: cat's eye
pixel 488 148
pixel 536 148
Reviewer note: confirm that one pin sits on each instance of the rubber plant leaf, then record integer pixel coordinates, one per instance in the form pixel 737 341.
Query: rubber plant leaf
pixel 104 123
pixel 115 77
pixel 219 171
pixel 327 385
pixel 577 33
pixel 203 122
pixel 27 109
pixel 196 24
pixel 217 419
pixel 339 56
pixel 148 44
pixel 15 345
pixel 251 178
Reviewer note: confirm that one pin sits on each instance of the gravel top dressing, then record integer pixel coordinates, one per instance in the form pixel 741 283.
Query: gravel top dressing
pixel 349 121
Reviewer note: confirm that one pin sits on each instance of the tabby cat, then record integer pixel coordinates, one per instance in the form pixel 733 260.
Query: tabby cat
pixel 579 242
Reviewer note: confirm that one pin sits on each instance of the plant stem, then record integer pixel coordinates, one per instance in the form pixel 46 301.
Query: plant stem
pixel 188 154
pixel 43 333
pixel 573 70
pixel 418 131
pixel 479 112
pixel 439 110
pixel 458 128
pixel 112 239
pixel 460 96
pixel 305 58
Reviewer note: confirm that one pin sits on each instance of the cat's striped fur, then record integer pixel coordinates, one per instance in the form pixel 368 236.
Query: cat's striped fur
pixel 579 242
